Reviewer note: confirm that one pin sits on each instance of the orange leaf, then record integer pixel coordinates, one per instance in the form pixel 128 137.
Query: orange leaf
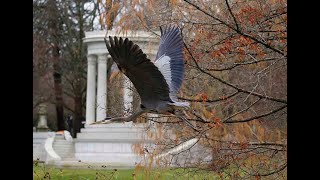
pixel 211 125
pixel 204 97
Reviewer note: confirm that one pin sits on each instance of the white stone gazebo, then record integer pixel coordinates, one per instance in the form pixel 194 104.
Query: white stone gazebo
pixel 115 145
pixel 96 107
pixel 110 143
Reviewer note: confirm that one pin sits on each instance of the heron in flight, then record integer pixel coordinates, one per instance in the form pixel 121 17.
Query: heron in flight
pixel 157 83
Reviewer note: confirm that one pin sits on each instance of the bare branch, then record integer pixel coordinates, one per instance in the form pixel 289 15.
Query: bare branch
pixel 234 18
pixel 69 108
pixel 239 112
pixel 231 85
pixel 256 117
pixel 237 30
pixel 272 172
pixel 241 64
pixel 120 119
pixel 212 100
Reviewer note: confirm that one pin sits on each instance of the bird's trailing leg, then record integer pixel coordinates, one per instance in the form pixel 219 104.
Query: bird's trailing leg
pixel 121 119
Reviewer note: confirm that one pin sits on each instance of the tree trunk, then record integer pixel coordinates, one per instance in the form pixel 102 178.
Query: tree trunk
pixel 53 33
pixel 58 93
pixel 77 116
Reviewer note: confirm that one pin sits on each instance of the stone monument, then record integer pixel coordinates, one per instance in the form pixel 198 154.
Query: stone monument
pixel 42 124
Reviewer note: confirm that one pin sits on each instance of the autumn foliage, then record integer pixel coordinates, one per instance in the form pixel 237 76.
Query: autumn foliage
pixel 236 73
pixel 235 54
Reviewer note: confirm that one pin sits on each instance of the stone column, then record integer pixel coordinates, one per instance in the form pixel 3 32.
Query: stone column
pixel 128 96
pixel 91 89
pixel 102 88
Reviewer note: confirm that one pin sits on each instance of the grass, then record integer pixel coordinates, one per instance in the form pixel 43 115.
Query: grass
pixel 43 172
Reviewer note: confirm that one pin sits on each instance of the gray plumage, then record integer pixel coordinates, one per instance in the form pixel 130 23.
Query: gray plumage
pixel 157 83
pixel 171 45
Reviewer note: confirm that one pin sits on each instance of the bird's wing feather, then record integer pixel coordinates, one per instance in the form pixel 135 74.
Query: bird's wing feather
pixel 169 59
pixel 144 75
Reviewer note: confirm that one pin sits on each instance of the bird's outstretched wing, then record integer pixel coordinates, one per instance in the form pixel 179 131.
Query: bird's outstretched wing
pixel 169 59
pixel 144 75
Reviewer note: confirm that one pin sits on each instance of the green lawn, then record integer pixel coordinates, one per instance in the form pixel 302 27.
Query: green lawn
pixel 141 173
pixel 42 172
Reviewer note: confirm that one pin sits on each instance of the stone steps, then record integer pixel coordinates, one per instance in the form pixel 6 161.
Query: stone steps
pixel 128 158
pixel 113 136
pixel 63 148
pixel 39 139
pixel 111 144
pixel 116 125
pixel 110 129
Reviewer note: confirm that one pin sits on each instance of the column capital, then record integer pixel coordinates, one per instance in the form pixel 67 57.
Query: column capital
pixel 102 58
pixel 92 59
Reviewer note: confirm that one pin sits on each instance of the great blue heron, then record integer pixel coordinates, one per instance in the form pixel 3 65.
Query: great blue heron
pixel 157 83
